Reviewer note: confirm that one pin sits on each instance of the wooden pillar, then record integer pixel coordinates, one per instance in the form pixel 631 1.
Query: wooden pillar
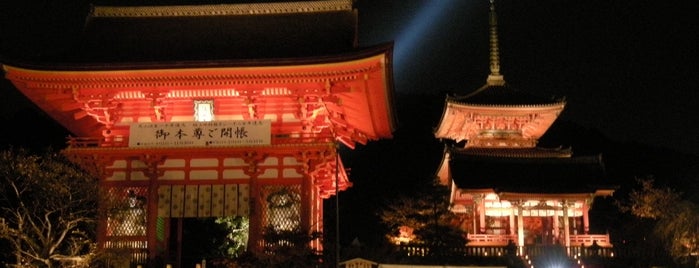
pixel 103 203
pixel 152 218
pixel 102 221
pixel 153 173
pixel 481 214
pixel 317 216
pixel 307 203
pixel 556 228
pixel 512 221
pixel 311 220
pixel 474 214
pixel 520 228
pixel 575 221
pixel 256 201
pixel 255 220
pixel 586 217
pixel 566 226
pixel 178 259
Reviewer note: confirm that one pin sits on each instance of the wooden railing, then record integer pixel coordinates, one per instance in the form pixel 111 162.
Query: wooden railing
pixel 490 239
pixel 528 254
pixel 572 251
pixel 588 239
pixel 502 240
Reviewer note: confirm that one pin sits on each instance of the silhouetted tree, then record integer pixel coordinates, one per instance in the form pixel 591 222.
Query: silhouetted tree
pixel 677 220
pixel 423 217
pixel 282 249
pixel 48 208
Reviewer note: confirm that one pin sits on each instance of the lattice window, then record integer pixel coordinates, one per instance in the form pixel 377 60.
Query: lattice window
pixel 283 207
pixel 127 211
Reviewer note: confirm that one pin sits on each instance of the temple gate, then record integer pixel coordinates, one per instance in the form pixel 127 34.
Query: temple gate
pixel 178 125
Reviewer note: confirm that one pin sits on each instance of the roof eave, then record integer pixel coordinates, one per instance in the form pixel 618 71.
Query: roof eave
pixel 176 64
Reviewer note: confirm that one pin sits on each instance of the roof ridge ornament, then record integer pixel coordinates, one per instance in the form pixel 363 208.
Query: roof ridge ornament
pixel 494 78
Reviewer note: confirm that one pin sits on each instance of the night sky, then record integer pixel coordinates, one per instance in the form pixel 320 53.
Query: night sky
pixel 628 68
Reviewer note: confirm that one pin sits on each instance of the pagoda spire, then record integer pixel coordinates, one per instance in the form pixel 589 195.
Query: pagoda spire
pixel 494 78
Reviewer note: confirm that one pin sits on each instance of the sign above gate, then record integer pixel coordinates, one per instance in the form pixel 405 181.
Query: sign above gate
pixel 201 134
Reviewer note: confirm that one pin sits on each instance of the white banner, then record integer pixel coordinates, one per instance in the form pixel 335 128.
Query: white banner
pixel 201 134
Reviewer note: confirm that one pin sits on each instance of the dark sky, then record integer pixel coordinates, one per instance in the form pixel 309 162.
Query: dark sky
pixel 627 68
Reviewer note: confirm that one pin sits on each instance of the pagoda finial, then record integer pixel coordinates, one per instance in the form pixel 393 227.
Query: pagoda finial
pixel 494 78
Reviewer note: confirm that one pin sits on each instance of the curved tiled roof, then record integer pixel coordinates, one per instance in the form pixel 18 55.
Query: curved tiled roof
pixel 536 152
pixel 250 31
pixel 504 95
pixel 582 174
pixel 105 65
pixel 220 9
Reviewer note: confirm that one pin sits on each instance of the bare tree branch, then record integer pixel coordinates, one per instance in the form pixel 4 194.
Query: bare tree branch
pixel 48 208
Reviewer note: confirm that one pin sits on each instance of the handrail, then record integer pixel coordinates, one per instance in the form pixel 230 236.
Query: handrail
pixel 529 251
pixel 588 239
pixel 502 239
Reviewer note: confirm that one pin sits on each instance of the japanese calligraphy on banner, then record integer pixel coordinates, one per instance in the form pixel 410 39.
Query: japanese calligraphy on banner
pixel 201 134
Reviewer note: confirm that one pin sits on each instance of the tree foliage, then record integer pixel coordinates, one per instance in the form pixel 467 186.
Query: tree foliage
pixel 424 216
pixel 236 240
pixel 48 207
pixel 677 219
pixel 282 249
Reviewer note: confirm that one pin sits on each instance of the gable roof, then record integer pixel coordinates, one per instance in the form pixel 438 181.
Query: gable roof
pixel 505 96
pixel 223 31
pixel 204 32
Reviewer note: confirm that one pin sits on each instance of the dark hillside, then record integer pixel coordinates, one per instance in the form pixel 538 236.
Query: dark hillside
pixel 627 160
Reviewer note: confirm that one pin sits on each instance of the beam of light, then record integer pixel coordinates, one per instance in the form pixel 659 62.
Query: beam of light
pixel 415 31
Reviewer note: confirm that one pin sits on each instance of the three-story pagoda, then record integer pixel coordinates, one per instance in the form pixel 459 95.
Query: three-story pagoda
pixel 507 187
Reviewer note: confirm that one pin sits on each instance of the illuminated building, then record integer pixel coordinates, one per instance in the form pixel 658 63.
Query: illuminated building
pixel 506 187
pixel 212 111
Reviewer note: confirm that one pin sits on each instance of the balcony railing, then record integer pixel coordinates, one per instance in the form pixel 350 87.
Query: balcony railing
pixel 490 239
pixel 503 239
pixel 588 239
pixel 576 256
pixel 531 251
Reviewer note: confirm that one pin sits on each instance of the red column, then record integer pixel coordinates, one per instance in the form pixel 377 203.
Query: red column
pixel 306 202
pixel 255 231
pixel 102 221
pixel 586 218
pixel 152 218
pixel 481 213
pixel 318 215
pixel 512 221
pixel 256 201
